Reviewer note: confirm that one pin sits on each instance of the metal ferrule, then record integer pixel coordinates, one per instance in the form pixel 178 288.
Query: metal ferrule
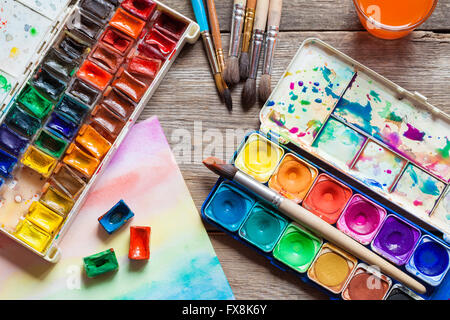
pixel 236 29
pixel 257 43
pixel 261 190
pixel 248 27
pixel 210 52
pixel 269 48
pixel 220 59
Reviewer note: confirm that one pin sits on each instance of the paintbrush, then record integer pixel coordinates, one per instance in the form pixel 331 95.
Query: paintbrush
pixel 302 216
pixel 200 15
pixel 244 60
pixel 231 72
pixel 215 31
pixel 273 24
pixel 249 92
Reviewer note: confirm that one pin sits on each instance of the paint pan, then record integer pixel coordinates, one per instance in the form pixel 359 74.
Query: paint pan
pixel 51 85
pixel 418 190
pixel 139 243
pixel 399 292
pixel 7 163
pixel 72 109
pixel 116 41
pixel 116 217
pixel 68 180
pixel 338 143
pixel 332 268
pixel 106 122
pixel 151 51
pixel 56 200
pixel 61 125
pixel 262 228
pixel 165 44
pixel 118 103
pixel 100 9
pixel 39 161
pixel 293 178
pixel 396 240
pixel 169 25
pixel 107 59
pixel 259 157
pixel 229 206
pixel 377 166
pixel 130 85
pixel 12 142
pixel 142 9
pixel 92 141
pixel 361 219
pixel 59 62
pixel 50 144
pixel 94 75
pixel 32 235
pixel 80 161
pixel 73 46
pixel 100 263
pixel 366 284
pixel 430 261
pixel 44 218
pixel 83 92
pixel 127 23
pixel 31 99
pixel 84 26
pixel 144 67
pixel 297 248
pixel 327 198
pixel 22 122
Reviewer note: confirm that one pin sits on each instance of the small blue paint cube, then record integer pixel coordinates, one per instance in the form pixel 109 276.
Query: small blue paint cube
pixel 116 217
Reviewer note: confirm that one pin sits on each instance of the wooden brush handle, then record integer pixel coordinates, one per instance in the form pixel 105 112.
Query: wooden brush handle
pixel 330 233
pixel 262 8
pixel 251 4
pixel 214 23
pixel 274 13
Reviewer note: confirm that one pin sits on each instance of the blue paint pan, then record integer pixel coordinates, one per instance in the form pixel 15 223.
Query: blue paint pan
pixel 7 163
pixel 116 217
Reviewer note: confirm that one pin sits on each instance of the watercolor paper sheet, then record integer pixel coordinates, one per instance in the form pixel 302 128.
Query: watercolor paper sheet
pixel 182 264
pixel 21 32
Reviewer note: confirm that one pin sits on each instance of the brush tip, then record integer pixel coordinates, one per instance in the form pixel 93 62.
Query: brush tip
pixel 227 99
pixel 244 63
pixel 231 73
pixel 249 93
pixel 220 167
pixel 265 87
pixel 224 92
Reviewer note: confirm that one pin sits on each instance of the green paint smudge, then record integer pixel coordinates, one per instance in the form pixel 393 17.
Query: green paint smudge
pixel 376 96
pixel 4 85
pixel 444 152
pixel 33 31
pixel 305 102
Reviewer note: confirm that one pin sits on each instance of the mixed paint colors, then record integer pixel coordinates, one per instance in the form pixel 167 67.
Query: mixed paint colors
pixel 62 122
pixel 366 127
pixel 292 247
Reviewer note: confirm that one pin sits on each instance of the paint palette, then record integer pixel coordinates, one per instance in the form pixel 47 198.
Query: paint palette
pixel 71 86
pixel 361 124
pixel 291 247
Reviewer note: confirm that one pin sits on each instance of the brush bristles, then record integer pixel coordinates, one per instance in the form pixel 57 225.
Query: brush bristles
pixel 224 92
pixel 231 72
pixel 244 63
pixel 249 93
pixel 265 87
pixel 220 167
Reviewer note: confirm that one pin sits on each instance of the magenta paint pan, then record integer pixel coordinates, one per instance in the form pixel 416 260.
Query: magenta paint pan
pixel 169 25
pixel 361 219
pixel 396 240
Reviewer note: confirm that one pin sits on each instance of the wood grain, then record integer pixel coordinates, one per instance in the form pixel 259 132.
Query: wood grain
pixel 192 116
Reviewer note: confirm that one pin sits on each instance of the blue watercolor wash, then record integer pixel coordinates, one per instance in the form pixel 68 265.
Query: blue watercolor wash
pixel 7 163
pixel 262 228
pixel 61 125
pixel 116 217
pixel 430 261
pixel 12 142
pixel 229 207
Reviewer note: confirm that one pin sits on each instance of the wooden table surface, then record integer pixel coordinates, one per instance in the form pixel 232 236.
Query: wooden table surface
pixel 190 112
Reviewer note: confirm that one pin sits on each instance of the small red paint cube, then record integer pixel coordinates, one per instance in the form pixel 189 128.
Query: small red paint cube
pixel 139 243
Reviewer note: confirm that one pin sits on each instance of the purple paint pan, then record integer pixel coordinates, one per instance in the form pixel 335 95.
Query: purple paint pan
pixel 361 219
pixel 396 240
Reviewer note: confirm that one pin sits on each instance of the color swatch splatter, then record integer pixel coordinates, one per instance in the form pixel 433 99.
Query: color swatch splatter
pixel 6 84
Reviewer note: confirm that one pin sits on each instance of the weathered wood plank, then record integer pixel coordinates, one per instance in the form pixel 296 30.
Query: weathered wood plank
pixel 319 15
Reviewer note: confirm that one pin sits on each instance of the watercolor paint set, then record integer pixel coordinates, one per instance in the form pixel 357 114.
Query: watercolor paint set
pixel 74 77
pixel 314 147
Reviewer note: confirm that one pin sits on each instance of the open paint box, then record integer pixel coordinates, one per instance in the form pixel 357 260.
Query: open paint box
pixel 323 143
pixel 75 76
